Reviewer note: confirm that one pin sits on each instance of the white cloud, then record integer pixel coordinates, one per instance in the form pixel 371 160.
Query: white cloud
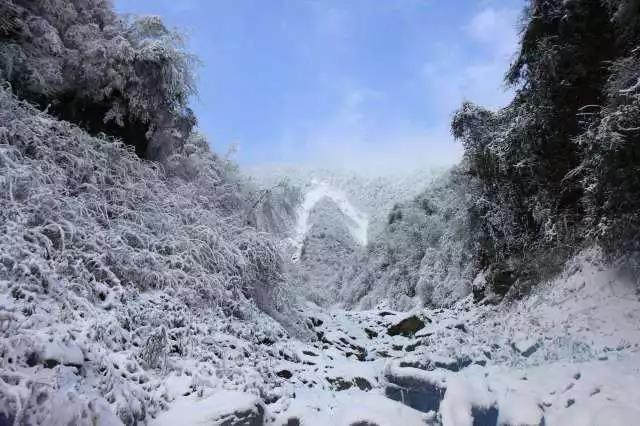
pixel 451 77
pixel 357 136
pixel 496 28
pixel 352 139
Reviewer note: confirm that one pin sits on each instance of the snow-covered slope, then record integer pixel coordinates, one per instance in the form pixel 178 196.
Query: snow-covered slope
pixel 567 355
pixel 357 222
pixel 115 276
pixel 326 252
pixel 374 196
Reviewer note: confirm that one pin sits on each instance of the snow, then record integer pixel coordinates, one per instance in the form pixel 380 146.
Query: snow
pixel 585 370
pixel 602 415
pixel 352 406
pixel 459 399
pixel 181 343
pixel 376 409
pixel 517 408
pixel 62 352
pixel 207 411
pixel 318 191
pixel 525 345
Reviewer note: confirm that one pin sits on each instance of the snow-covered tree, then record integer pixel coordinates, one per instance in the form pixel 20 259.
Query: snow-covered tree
pixel 128 77
pixel 555 166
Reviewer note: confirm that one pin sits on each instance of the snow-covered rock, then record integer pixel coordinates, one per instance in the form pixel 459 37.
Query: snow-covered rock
pixel 223 408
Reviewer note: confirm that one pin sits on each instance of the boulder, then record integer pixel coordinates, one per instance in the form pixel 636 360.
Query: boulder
pixel 420 390
pixel 424 397
pixel 501 278
pixel 407 327
pixel 285 374
pixel 362 383
pixel 485 416
pixel 223 408
pixel 370 333
pixel 470 402
pixel 518 408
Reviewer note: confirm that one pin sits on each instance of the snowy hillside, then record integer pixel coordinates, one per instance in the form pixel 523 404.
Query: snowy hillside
pixel 327 248
pixel 114 275
pixel 372 195
pixel 356 221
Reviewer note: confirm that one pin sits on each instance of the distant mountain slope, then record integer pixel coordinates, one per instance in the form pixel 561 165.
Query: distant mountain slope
pixel 349 220
pixel 327 249
pixel 373 195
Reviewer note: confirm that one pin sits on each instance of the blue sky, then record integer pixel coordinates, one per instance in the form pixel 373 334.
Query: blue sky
pixel 364 84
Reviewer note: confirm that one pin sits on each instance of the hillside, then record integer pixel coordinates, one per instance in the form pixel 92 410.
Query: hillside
pixel 115 272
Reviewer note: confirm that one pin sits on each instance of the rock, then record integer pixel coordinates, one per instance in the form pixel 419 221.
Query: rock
pixel 407 327
pixel 470 401
pixel 339 383
pixel 292 421
pixel 412 347
pixel 500 279
pixel 478 287
pixel 250 417
pixel 461 327
pixel 58 352
pixel 285 374
pixel 362 383
pixel 419 390
pixel 316 322
pixel 484 416
pixel 526 347
pixel 6 419
pixel 432 362
pixel 423 397
pixel 478 294
pixel 522 409
pixel 223 408
pixel 370 333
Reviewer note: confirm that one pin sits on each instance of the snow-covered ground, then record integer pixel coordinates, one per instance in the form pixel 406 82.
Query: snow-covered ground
pixel 567 355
